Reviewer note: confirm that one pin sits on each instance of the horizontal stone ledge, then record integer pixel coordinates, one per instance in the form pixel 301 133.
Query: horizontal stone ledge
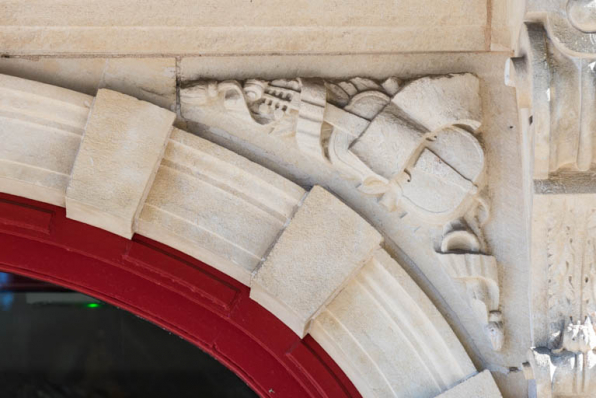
pixel 186 41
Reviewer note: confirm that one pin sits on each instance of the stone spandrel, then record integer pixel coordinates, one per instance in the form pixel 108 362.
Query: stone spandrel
pixel 409 143
pixel 553 73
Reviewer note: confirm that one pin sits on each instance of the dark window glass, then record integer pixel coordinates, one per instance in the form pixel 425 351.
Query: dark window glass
pixel 56 343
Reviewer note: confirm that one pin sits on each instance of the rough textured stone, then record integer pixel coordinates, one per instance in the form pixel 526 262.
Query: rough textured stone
pixel 530 183
pixel 324 244
pixel 214 204
pixel 410 240
pixel 121 149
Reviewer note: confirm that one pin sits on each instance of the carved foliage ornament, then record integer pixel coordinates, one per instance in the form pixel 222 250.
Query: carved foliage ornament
pixel 410 144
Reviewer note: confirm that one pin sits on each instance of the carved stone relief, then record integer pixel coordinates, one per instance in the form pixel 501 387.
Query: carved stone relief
pixel 411 144
pixel 307 257
pixel 554 74
pixel 462 259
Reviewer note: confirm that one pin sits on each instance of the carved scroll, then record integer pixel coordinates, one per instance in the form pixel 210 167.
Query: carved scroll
pixel 410 144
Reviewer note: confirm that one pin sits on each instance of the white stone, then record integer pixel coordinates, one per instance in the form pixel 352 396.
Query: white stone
pixel 40 132
pixel 497 212
pixel 217 206
pixel 148 79
pixel 383 143
pixel 480 385
pixel 388 337
pixel 148 27
pixel 214 204
pixel 323 246
pixel 121 150
pixel 439 102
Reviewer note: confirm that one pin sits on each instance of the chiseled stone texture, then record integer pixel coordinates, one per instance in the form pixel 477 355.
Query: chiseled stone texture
pixel 40 132
pixel 216 205
pixel 324 244
pixel 250 27
pixel 388 337
pixel 121 149
pixel 480 385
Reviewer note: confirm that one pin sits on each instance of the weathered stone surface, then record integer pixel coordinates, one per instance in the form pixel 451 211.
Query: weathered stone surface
pixel 149 79
pixel 404 145
pixel 480 385
pixel 40 132
pixel 223 211
pixel 439 102
pixel 217 206
pixel 121 149
pixel 322 247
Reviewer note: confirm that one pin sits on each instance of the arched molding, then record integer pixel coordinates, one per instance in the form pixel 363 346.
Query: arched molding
pixel 240 218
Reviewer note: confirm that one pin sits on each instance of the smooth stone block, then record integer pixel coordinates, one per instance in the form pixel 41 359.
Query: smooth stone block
pixel 122 147
pixel 323 246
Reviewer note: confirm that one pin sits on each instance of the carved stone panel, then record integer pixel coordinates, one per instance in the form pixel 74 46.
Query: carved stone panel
pixel 411 144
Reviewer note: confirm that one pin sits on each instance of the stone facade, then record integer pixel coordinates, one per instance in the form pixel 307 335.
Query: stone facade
pixel 410 183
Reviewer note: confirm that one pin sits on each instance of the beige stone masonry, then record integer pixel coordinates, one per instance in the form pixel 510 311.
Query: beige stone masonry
pixel 325 243
pixel 122 147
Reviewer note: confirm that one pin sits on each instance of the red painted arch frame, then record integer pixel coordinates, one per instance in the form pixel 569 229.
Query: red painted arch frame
pixel 172 290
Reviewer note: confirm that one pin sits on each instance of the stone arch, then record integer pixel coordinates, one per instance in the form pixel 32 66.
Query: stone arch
pixel 117 164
